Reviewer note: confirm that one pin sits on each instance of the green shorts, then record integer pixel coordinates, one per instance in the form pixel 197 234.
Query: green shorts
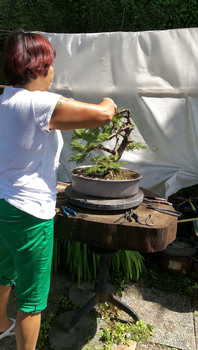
pixel 26 247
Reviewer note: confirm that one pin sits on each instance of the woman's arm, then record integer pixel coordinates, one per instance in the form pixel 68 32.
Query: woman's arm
pixel 70 114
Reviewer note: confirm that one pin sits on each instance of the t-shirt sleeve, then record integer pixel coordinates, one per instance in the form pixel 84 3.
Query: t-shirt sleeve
pixel 44 104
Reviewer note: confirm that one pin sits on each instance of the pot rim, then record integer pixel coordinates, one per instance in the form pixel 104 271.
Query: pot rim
pixel 100 180
pixel 192 242
pixel 181 251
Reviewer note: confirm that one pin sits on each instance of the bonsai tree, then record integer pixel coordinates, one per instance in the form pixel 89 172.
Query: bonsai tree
pixel 118 135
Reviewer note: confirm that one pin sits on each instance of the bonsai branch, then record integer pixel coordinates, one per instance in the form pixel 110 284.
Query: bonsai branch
pixel 117 133
pixel 121 132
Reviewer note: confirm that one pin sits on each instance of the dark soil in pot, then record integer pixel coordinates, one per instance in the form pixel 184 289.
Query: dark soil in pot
pixel 113 174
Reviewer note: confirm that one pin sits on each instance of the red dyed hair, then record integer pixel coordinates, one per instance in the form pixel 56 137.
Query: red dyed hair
pixel 26 56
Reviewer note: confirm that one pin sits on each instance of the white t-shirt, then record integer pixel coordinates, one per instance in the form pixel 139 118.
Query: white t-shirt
pixel 29 151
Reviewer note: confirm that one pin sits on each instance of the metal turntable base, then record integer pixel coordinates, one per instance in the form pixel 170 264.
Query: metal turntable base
pixel 97 203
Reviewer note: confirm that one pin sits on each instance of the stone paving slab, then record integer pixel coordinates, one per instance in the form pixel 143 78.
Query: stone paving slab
pixel 171 315
pixel 132 346
pixel 60 339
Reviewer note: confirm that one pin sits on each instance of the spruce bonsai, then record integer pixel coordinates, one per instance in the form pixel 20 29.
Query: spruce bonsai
pixel 118 135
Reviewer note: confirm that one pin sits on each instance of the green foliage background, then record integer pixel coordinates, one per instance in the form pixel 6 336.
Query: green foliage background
pixel 84 16
pixel 91 16
pixel 87 16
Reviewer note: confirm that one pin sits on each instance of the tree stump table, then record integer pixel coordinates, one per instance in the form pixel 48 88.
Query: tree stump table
pixel 105 234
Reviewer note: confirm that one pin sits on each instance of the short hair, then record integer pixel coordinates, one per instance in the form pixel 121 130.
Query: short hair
pixel 26 56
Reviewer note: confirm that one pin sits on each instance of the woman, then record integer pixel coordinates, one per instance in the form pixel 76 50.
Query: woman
pixel 30 145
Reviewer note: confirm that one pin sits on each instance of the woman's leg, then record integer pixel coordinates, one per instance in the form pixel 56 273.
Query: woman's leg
pixel 27 330
pixel 5 322
pixel 29 241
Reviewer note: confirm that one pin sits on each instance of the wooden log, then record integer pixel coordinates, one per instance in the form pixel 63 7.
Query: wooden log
pixel 100 229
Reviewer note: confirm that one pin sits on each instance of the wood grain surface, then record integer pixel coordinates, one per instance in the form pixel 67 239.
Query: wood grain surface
pixel 100 229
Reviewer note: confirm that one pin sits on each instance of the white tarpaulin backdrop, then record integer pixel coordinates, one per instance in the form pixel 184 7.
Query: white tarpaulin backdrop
pixel 155 74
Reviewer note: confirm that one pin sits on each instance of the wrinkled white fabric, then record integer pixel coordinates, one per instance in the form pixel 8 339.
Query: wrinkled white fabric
pixel 154 74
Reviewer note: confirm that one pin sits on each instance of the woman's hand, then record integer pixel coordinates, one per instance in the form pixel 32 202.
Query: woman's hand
pixel 70 114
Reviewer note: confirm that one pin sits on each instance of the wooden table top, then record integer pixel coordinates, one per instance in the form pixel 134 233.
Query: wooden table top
pixel 99 229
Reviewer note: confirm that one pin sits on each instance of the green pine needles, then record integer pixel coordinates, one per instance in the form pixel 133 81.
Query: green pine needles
pixel 118 136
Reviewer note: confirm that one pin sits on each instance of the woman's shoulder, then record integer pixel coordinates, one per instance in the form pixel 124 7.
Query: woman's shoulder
pixel 45 95
pixel 25 97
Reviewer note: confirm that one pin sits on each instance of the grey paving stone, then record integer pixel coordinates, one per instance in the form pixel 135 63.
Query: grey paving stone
pixel 171 315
